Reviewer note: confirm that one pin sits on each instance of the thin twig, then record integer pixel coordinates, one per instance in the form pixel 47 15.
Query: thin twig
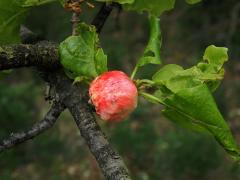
pixel 75 21
pixel 102 16
pixel 72 97
pixel 38 128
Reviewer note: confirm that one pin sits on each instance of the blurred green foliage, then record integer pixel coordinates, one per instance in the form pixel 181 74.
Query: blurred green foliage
pixel 152 147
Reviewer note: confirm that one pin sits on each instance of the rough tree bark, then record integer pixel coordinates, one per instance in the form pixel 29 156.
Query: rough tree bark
pixel 44 56
pixel 76 100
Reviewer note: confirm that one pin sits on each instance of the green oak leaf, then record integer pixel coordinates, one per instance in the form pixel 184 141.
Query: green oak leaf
pixel 186 95
pixel 154 7
pixel 81 55
pixel 151 53
pixel 212 65
pixel 209 71
pixel 216 56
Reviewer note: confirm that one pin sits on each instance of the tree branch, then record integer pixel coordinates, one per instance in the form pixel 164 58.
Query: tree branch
pixel 102 16
pixel 74 98
pixel 70 96
pixel 75 21
pixel 43 55
pixel 108 159
pixel 41 126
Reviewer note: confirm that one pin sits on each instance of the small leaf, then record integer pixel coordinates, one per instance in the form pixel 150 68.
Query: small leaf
pixel 213 69
pixel 100 61
pixel 208 71
pixel 152 51
pixel 216 55
pixel 77 56
pixel 81 55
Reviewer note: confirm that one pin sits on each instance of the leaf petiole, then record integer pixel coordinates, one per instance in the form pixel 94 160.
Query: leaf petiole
pixel 151 98
pixel 134 72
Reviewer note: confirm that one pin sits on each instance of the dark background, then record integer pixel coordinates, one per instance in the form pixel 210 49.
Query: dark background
pixel 152 147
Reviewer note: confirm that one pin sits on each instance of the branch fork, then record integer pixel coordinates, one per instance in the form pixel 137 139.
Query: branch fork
pixel 44 56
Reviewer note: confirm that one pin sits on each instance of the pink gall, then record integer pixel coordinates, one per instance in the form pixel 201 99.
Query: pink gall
pixel 114 95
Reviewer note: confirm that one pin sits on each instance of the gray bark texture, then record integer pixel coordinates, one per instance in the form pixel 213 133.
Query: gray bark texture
pixel 44 56
pixel 73 97
pixel 76 100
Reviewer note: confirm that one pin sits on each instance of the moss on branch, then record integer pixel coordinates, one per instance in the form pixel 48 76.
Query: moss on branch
pixel 43 54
